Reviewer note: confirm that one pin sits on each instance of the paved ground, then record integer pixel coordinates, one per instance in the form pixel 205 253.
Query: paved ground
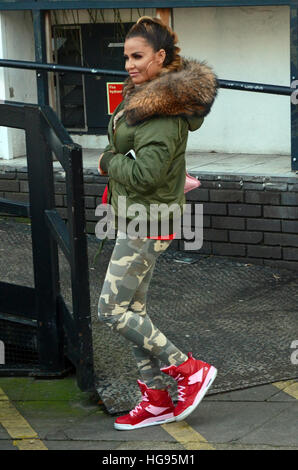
pixel 56 415
pixel 203 162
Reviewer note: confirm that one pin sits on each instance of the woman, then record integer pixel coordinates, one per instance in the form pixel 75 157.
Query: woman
pixel 165 96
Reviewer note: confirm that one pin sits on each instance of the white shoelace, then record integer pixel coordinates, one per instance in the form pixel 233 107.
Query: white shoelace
pixel 139 407
pixel 181 393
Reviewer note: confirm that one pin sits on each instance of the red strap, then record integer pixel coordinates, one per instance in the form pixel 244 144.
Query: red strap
pixel 104 198
pixel 164 237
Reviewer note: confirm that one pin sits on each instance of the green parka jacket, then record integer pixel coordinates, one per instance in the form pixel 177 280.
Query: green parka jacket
pixel 154 120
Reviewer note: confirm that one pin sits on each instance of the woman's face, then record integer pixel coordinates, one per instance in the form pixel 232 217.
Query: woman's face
pixel 141 62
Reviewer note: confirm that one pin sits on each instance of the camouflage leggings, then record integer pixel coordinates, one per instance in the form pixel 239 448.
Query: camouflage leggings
pixel 122 306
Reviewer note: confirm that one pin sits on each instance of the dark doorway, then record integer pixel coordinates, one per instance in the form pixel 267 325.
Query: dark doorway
pixel 82 101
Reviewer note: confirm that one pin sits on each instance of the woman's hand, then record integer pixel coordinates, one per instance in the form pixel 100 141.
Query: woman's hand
pixel 99 169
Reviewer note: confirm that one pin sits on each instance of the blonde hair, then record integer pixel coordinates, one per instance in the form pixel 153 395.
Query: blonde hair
pixel 159 36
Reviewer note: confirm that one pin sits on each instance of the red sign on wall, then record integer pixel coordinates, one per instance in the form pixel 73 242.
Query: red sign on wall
pixel 114 95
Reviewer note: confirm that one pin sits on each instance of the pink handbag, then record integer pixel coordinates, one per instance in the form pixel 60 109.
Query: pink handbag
pixel 191 183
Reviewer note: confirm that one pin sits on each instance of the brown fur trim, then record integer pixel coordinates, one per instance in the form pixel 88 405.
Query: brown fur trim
pixel 189 91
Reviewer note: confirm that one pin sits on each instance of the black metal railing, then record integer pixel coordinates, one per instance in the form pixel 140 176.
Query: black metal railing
pixel 42 68
pixel 60 333
pixel 229 84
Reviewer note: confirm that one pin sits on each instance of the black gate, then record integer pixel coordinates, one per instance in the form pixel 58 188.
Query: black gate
pixel 63 338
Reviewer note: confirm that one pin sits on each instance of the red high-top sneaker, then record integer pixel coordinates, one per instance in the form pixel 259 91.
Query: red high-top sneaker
pixel 194 378
pixel 156 407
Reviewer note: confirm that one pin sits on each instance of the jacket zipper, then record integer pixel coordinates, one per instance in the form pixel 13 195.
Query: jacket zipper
pixel 114 135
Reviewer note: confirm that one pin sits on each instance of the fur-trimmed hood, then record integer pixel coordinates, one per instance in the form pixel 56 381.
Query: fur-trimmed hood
pixel 190 92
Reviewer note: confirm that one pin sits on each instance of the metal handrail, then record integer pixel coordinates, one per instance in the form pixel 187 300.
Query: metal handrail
pixel 228 84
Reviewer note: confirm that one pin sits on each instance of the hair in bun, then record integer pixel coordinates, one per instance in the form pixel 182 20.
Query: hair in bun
pixel 159 36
